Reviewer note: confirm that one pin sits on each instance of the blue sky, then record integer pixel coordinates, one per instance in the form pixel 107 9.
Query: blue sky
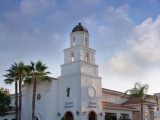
pixel 126 35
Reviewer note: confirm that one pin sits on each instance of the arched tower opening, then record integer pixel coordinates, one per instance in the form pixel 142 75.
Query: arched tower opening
pixel 73 41
pixel 72 56
pixel 86 41
pixel 87 57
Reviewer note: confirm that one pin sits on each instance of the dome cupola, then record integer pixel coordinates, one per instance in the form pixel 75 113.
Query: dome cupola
pixel 79 27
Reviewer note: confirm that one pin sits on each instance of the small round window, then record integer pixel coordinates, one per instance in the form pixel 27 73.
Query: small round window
pixel 91 92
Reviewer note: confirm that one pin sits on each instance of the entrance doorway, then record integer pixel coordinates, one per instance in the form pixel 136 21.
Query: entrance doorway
pixel 92 116
pixel 110 116
pixel 68 116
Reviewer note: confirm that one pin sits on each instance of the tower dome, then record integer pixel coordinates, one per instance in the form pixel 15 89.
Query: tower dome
pixel 79 27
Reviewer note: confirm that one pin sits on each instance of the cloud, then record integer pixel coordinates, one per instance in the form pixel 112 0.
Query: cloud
pixel 33 7
pixel 83 4
pixel 112 28
pixel 122 62
pixel 146 41
pixel 26 33
pixel 119 21
pixel 142 50
pixel 120 14
pixel 90 21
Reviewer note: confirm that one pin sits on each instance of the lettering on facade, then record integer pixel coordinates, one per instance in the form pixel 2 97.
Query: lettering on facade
pixel 68 105
pixel 92 104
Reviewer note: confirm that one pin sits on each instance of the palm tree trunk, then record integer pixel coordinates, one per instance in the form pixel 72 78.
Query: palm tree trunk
pixel 16 100
pixel 141 109
pixel 34 98
pixel 20 98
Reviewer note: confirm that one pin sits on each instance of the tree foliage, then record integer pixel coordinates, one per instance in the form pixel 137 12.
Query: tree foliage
pixel 35 72
pixel 5 91
pixel 4 102
pixel 30 74
pixel 139 92
pixel 16 73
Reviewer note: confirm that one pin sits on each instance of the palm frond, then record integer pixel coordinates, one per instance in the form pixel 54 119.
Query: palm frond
pixel 138 92
pixel 38 66
pixel 9 81
pixel 48 72
pixel 28 80
pixel 46 78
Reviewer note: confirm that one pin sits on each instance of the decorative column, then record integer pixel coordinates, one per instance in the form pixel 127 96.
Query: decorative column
pixel 146 115
pixel 130 117
pixel 118 116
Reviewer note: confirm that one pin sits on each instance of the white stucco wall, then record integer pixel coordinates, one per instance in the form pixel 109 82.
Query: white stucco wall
pixel 113 98
pixel 72 82
pixel 46 109
pixel 79 38
pixel 95 82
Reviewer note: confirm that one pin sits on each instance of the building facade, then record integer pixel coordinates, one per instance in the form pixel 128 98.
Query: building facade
pixel 78 94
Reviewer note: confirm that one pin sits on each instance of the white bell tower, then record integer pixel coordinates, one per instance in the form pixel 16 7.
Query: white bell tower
pixel 80 91
pixel 79 45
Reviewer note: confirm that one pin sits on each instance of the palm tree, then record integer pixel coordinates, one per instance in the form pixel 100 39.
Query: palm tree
pixel 11 77
pixel 16 73
pixel 21 76
pixel 139 92
pixel 36 71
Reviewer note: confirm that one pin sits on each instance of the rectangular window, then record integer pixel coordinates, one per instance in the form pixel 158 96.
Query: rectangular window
pixel 68 92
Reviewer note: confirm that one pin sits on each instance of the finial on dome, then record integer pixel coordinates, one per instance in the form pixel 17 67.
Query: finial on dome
pixel 79 23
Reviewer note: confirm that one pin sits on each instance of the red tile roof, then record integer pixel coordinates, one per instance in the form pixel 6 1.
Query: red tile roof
pixel 137 102
pixel 108 104
pixel 104 89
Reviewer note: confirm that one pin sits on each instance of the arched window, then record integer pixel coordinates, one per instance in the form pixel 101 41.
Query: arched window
pixel 72 56
pixel 73 42
pixel 87 57
pixel 86 41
